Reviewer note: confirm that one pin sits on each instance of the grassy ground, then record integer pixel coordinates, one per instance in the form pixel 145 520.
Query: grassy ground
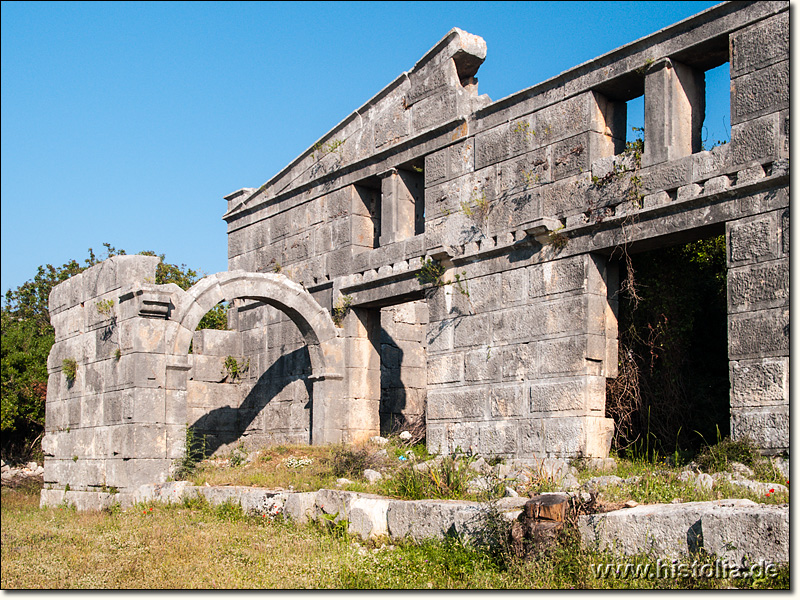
pixel 198 546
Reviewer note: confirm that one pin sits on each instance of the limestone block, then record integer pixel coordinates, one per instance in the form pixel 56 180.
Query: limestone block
pixel 745 535
pixel 457 403
pixel 756 139
pixel 522 323
pixel 361 352
pixel 570 156
pixel 149 441
pixel 498 438
pixel 473 331
pixel 92 410
pixel 565 196
pixel 434 110
pixel 300 506
pixel 507 401
pixel 426 519
pixel 439 336
pixel 768 428
pixel 758 334
pixel 759 45
pixel 764 285
pixel 710 162
pixel 436 167
pixel 715 185
pixel 149 406
pixel 752 239
pixel 675 107
pixel 482 365
pixel 117 407
pixel 128 475
pixel 785 232
pixel 760 92
pixel 520 362
pixel 664 530
pixel 686 192
pixel 554 277
pixel 492 146
pixel 582 394
pixel 532 437
pixel 73 412
pixel 445 368
pixel 212 342
pixel 515 286
pixel 208 368
pixel 169 492
pixel 563 355
pixel 392 126
pixel 750 174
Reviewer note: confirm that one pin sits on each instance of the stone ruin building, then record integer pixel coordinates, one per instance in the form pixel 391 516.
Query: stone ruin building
pixel 438 257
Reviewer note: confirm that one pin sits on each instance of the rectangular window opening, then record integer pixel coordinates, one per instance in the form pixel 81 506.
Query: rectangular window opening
pixel 717 122
pixel 369 191
pixel 634 123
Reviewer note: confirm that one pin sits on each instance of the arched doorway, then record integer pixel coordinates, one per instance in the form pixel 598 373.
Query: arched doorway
pixel 318 331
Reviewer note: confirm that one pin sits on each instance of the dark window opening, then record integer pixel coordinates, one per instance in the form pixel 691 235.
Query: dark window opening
pixel 369 211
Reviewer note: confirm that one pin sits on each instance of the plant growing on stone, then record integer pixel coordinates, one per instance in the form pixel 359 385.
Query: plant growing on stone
pixel 557 238
pixel 340 309
pixel 234 368
pixel 194 451
pixel 477 208
pixel 69 367
pixel 323 149
pixel 431 273
pixel 105 307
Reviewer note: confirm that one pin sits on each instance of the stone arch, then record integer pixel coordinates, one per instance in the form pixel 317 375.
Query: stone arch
pixel 313 321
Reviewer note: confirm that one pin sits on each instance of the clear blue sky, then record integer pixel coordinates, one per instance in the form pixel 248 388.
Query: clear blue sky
pixel 128 122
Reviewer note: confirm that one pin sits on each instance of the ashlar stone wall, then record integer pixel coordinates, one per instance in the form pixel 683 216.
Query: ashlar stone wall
pixel 526 204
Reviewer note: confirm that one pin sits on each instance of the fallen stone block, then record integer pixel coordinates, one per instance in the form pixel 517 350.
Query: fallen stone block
pixel 170 492
pixel 665 530
pixel 747 534
pixel 426 519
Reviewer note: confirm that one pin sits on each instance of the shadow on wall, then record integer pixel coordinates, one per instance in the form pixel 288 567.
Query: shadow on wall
pixel 393 391
pixel 225 425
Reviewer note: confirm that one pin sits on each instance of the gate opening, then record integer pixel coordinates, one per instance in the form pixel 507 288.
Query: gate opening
pixel 672 391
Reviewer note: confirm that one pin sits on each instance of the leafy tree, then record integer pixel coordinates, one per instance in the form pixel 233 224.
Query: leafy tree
pixel 27 338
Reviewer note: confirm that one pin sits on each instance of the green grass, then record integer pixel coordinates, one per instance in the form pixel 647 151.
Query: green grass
pixel 195 545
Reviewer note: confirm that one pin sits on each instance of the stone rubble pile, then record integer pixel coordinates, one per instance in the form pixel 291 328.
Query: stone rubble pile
pixel 30 469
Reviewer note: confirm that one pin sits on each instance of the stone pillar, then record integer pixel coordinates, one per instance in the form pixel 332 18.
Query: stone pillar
pixel 358 412
pixel 398 206
pixel 106 401
pixel 674 109
pixel 758 328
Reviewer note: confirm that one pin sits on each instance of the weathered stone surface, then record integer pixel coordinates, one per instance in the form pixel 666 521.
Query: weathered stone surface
pixel 426 519
pixel 760 92
pixel 760 44
pixel 665 530
pixel 744 535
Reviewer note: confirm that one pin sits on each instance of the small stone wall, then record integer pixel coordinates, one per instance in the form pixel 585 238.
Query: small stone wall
pixel 739 531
